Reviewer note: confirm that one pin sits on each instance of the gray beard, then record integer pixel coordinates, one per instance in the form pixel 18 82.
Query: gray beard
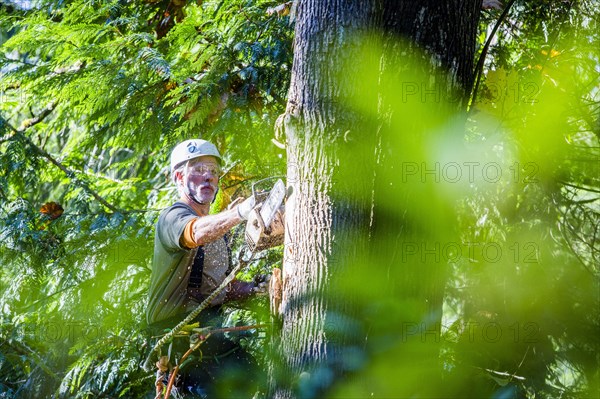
pixel 191 196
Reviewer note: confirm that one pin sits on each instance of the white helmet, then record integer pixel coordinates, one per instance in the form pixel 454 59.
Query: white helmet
pixel 191 149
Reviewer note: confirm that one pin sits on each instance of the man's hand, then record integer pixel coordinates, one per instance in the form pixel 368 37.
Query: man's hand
pixel 261 283
pixel 246 207
pixel 238 290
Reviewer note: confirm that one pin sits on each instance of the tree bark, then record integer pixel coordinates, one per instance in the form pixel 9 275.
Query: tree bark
pixel 320 133
pixel 336 167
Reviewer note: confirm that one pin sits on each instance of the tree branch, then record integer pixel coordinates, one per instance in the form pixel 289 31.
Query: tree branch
pixel 21 347
pixel 27 123
pixel 6 137
pixel 481 60
pixel 197 345
pixel 18 134
pixel 581 202
pixel 575 186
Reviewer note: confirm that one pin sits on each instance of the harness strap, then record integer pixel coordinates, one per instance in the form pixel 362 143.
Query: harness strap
pixel 197 269
pixel 198 265
pixel 229 252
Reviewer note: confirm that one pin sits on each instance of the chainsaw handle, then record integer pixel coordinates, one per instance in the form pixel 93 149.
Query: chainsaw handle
pixel 263 180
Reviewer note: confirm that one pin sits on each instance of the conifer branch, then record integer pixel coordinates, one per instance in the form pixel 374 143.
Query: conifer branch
pixel 18 134
pixel 39 361
pixel 27 123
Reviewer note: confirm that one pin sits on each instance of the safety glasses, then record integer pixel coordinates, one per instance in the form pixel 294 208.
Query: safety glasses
pixel 202 169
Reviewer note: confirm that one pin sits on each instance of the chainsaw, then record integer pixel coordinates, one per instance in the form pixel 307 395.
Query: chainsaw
pixel 265 227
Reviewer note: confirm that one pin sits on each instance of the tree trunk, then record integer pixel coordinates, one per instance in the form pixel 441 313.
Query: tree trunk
pixel 320 135
pixel 334 267
pixel 414 215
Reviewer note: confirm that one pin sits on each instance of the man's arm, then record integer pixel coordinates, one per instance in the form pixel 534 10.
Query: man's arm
pixel 202 230
pixel 209 228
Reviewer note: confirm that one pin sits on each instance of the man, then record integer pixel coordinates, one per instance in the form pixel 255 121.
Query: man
pixel 192 258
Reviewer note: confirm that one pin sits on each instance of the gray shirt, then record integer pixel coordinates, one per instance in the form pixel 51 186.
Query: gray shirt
pixel 172 265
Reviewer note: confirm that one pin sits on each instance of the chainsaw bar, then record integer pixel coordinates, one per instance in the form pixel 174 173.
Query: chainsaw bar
pixel 272 203
pixel 265 226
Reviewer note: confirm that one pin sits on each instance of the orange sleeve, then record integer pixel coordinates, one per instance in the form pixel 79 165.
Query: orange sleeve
pixel 187 237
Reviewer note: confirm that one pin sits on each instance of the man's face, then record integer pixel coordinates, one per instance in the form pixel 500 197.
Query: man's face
pixel 202 178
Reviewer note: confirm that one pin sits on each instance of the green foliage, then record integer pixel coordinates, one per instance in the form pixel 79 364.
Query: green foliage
pixel 106 88
pixel 100 92
pixel 539 102
pixel 73 286
pixel 121 97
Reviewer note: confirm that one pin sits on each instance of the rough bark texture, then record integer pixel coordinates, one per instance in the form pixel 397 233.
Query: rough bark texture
pixel 318 130
pixel 330 217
